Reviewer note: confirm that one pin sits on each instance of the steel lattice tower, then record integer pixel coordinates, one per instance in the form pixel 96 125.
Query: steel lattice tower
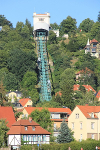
pixel 45 85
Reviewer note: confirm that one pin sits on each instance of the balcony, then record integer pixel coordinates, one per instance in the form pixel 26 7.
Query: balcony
pixel 93 50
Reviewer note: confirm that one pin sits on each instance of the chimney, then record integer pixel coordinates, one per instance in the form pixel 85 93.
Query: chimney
pixel 30 119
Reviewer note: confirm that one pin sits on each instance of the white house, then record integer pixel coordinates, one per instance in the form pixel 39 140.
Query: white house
pixel 28 131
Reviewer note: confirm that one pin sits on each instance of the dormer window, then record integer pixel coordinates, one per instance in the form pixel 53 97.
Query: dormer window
pixel 92 115
pixel 33 128
pixel 26 128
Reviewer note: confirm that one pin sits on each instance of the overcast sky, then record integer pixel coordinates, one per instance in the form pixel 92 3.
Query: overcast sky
pixel 19 10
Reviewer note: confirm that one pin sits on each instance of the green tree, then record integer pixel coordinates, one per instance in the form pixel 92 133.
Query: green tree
pixel 25 32
pixel 67 81
pixel 95 29
pixel 65 135
pixel 86 25
pixel 10 82
pixel 52 38
pixel 68 25
pixel 99 17
pixel 19 26
pixel 54 26
pixel 3 133
pixel 29 26
pixel 4 21
pixel 20 62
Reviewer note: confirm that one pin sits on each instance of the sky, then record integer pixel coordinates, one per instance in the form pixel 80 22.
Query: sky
pixel 20 10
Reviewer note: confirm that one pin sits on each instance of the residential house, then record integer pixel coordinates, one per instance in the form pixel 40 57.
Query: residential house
pixel 7 114
pixel 84 121
pixel 28 131
pixel 14 95
pixel 93 47
pixel 87 87
pixel 85 72
pixel 98 95
pixel 26 102
pixel 56 115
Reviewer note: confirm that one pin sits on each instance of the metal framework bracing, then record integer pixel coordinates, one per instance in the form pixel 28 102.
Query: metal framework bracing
pixel 45 84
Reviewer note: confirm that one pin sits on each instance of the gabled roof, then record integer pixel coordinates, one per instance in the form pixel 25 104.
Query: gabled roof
pixel 87 87
pixel 7 114
pixel 19 128
pixel 86 110
pixel 93 41
pixel 55 110
pixel 23 101
pixel 86 71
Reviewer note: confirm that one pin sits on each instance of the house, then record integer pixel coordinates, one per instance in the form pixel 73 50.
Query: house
pixel 87 87
pixel 56 115
pixel 58 93
pixel 93 47
pixel 85 72
pixel 84 121
pixel 14 95
pixel 28 131
pixel 7 114
pixel 98 95
pixel 26 102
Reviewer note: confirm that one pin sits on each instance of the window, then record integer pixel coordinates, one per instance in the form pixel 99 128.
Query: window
pixel 92 136
pixel 24 137
pixel 56 116
pixel 93 50
pixel 77 116
pixel 81 137
pixel 94 45
pixel 92 115
pixel 44 138
pixel 92 125
pixel 41 19
pixel 26 128
pixel 72 125
pixel 81 125
pixel 33 128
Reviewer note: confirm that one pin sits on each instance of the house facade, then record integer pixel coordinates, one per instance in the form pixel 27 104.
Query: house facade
pixel 85 122
pixel 28 132
pixel 14 95
pixel 26 102
pixel 93 47
pixel 56 115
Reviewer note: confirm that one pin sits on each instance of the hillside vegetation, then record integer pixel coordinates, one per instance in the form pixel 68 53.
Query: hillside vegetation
pixel 18 70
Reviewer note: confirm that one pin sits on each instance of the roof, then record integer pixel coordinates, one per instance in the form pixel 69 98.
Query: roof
pixel 98 94
pixel 19 128
pixel 86 71
pixel 87 87
pixel 8 114
pixel 55 110
pixel 23 101
pixel 89 109
pixel 93 41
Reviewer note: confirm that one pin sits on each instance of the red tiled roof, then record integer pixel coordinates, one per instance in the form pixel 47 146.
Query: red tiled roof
pixel 19 128
pixel 89 109
pixel 84 71
pixel 76 87
pixel 23 101
pixel 7 114
pixel 87 87
pixel 93 41
pixel 66 110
